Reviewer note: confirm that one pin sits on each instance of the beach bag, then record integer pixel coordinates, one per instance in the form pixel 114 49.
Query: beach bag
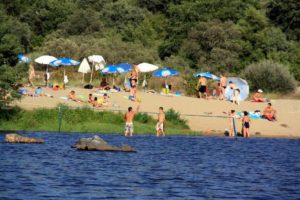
pixel 88 86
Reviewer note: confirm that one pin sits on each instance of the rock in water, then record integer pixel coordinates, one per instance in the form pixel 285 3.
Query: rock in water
pixel 96 143
pixel 15 138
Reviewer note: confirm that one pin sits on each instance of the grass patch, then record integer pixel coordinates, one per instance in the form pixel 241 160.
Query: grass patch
pixel 87 120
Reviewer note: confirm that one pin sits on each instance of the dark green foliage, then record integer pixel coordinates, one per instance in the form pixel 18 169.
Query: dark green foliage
pixel 270 76
pixel 143 118
pixel 197 35
pixel 286 14
pixel 174 117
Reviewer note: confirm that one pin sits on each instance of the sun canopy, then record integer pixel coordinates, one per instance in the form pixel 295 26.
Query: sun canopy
pixel 146 67
pixel 241 84
pixel 45 60
pixel 207 75
pixel 165 72
pixel 84 67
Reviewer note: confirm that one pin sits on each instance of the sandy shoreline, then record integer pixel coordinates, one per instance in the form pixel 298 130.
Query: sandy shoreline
pixel 287 126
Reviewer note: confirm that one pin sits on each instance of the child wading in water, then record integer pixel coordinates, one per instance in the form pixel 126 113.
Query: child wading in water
pixel 246 124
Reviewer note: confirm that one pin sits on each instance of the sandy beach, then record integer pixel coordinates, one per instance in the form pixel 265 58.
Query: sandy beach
pixel 211 111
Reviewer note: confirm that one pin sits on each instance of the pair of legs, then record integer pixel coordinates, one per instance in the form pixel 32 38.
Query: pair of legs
pixel 246 132
pixel 160 129
pixel 202 90
pixel 236 98
pixel 222 92
pixel 128 129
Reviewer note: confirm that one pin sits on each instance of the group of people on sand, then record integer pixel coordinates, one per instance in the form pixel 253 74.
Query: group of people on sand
pixel 269 113
pixel 94 101
pixel 219 91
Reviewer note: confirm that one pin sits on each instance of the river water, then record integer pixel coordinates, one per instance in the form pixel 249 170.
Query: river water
pixel 175 167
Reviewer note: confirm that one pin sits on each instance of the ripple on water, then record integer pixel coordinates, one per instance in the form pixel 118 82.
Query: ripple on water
pixel 164 168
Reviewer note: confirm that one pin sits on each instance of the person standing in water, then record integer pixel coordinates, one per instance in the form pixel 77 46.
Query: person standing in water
pixel 246 124
pixel 160 122
pixel 128 117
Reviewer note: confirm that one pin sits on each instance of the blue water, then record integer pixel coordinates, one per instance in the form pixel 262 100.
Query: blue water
pixel 163 168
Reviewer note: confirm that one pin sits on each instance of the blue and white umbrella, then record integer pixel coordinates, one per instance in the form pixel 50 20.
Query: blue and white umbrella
pixel 23 58
pixel 165 72
pixel 207 75
pixel 112 69
pixel 126 66
pixel 241 84
pixel 64 61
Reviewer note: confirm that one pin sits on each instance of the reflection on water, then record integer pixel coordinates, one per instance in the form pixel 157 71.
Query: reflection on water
pixel 164 168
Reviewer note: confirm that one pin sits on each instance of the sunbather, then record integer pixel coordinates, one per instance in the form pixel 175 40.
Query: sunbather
pixel 269 113
pixel 72 96
pixel 257 97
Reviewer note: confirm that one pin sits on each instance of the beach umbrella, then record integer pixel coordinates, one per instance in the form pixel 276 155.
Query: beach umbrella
pixel 45 60
pixel 126 66
pixel 207 75
pixel 146 67
pixel 84 68
pixel 65 62
pixel 96 59
pixel 165 72
pixel 23 58
pixel 113 69
pixel 98 62
pixel 241 84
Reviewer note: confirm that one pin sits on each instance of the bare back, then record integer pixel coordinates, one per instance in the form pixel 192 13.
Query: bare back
pixel 129 117
pixel 223 81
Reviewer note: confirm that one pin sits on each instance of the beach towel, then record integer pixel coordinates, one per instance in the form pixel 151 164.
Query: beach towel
pixel 253 115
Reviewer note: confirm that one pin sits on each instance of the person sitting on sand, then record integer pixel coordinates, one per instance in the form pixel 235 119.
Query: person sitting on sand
pixel 104 85
pixel 160 122
pixel 128 117
pixel 246 124
pixel 269 113
pixel 72 96
pixel 132 93
pixel 106 101
pixel 90 99
pixel 202 84
pixel 236 93
pixel 96 103
pixel 257 97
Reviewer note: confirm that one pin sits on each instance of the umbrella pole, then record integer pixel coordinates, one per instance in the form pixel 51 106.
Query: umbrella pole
pixel 91 79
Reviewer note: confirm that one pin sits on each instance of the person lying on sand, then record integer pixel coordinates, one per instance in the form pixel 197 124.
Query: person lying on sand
pixel 72 96
pixel 257 97
pixel 269 113
pixel 40 93
pixel 160 122
pixel 128 117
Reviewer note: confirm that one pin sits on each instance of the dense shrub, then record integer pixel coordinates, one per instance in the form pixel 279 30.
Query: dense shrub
pixel 270 76
pixel 174 117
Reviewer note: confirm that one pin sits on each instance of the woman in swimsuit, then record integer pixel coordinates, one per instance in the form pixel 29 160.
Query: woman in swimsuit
pixel 134 75
pixel 246 124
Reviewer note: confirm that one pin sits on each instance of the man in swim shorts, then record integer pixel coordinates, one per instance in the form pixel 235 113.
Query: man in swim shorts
pixel 160 122
pixel 269 113
pixel 202 86
pixel 129 120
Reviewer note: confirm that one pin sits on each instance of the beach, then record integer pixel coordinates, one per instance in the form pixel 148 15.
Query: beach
pixel 206 116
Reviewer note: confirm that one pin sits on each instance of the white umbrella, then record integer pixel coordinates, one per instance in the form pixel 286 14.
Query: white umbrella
pixel 84 68
pixel 96 59
pixel 146 67
pixel 45 60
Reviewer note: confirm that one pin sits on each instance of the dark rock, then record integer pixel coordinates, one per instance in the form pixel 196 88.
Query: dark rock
pixel 15 138
pixel 96 143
